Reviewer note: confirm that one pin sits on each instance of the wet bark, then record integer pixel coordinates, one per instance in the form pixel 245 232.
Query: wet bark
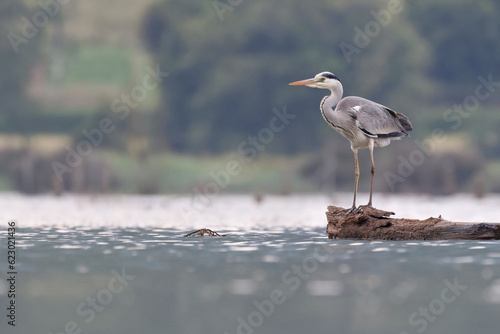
pixel 370 223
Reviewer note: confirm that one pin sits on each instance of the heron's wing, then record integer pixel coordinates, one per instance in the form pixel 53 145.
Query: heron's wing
pixel 376 120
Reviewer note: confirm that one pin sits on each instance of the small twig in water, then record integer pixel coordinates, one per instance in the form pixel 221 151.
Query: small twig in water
pixel 203 232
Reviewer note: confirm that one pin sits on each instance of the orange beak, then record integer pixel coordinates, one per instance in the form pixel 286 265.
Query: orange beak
pixel 302 82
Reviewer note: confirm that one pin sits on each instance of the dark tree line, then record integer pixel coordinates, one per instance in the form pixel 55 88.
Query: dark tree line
pixel 230 63
pixel 18 53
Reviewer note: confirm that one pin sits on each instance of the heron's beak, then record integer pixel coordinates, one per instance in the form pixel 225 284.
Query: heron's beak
pixel 303 82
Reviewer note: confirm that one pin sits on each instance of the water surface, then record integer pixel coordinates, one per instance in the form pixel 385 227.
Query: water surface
pixel 120 264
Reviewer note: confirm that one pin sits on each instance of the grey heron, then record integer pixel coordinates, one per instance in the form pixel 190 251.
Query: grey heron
pixel 366 124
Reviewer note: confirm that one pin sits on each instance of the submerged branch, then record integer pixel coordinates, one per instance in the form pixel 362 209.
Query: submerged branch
pixel 203 232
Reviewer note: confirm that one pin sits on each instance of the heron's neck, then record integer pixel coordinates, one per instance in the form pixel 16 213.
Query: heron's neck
pixel 331 101
pixel 328 110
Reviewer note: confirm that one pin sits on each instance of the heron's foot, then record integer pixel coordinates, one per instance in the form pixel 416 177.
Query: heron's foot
pixel 362 207
pixel 351 211
pixel 359 209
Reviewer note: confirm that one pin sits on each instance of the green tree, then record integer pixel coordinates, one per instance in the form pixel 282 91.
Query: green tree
pixel 463 36
pixel 15 108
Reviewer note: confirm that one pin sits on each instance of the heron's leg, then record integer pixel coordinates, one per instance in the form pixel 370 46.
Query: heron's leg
pixel 370 146
pixel 356 178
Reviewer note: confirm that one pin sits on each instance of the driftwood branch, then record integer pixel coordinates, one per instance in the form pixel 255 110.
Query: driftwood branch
pixel 203 232
pixel 370 223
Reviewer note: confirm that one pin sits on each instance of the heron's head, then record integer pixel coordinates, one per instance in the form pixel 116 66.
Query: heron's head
pixel 325 80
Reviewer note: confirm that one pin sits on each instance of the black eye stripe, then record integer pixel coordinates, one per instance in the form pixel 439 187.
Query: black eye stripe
pixel 329 75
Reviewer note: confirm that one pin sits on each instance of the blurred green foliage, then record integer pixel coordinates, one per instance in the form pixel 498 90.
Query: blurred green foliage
pixel 463 36
pixel 230 63
pixel 104 65
pixel 175 173
pixel 15 68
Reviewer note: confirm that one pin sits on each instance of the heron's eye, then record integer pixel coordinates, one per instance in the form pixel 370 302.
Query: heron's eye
pixel 322 79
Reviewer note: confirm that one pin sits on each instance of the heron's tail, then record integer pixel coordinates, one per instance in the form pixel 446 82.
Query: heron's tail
pixel 405 122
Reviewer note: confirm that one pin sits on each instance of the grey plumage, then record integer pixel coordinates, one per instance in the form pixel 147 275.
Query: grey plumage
pixel 366 124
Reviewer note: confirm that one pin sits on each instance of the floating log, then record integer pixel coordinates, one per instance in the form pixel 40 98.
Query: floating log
pixel 370 223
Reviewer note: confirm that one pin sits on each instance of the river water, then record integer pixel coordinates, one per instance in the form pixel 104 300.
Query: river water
pixel 121 264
